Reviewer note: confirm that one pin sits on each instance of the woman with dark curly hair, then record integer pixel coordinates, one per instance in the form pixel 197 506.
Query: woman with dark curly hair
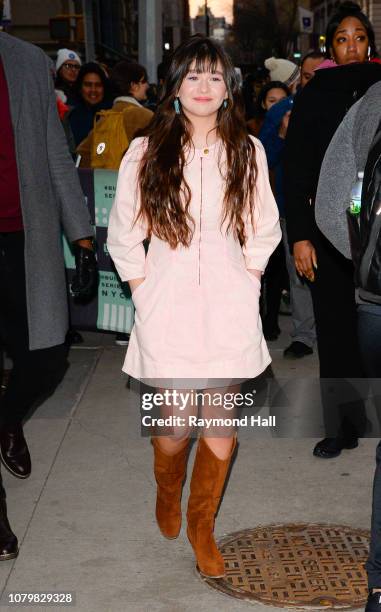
pixel 196 185
pixel 345 76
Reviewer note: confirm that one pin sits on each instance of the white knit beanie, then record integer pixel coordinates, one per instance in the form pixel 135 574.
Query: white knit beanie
pixel 65 55
pixel 282 70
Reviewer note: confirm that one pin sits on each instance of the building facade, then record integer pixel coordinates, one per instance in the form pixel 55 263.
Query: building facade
pixel 269 28
pixel 176 23
pixel 206 22
pixel 30 19
pixel 113 27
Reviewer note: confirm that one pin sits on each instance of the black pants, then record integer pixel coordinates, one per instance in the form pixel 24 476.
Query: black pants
pixel 333 296
pixel 275 280
pixel 35 373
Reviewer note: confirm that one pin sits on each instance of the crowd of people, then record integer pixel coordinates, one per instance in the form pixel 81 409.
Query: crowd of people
pixel 242 193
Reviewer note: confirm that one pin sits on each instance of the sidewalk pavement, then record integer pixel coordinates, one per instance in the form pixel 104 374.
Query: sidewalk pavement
pixel 85 518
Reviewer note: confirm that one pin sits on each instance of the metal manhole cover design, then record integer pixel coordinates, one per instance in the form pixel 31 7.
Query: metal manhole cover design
pixel 296 566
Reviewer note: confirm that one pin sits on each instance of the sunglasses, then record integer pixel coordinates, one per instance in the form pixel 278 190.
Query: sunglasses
pixel 71 66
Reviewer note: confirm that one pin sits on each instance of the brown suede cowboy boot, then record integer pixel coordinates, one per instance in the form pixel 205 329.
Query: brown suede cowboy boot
pixel 208 479
pixel 170 473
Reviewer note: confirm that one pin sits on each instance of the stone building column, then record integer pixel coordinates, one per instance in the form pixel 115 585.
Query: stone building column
pixel 150 36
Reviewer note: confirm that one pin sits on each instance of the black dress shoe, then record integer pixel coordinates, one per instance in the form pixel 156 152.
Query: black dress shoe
pixel 122 339
pixel 8 542
pixel 332 447
pixel 73 337
pixel 271 332
pixel 297 350
pixel 374 602
pixel 14 452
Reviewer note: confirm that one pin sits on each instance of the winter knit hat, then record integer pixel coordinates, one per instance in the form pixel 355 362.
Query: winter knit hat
pixel 65 55
pixel 282 70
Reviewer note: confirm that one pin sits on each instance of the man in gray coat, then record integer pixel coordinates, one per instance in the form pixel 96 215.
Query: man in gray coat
pixel 40 196
pixel 356 141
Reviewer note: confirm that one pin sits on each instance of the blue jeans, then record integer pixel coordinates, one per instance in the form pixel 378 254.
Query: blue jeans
pixel 369 331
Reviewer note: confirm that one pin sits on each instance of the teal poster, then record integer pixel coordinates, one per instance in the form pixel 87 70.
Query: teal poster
pixel 104 193
pixel 111 309
pixel 115 311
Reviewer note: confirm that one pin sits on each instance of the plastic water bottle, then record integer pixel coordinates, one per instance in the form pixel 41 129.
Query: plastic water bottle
pixel 355 204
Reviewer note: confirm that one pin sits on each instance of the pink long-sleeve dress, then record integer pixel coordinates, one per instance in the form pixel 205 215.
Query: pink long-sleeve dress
pixel 197 311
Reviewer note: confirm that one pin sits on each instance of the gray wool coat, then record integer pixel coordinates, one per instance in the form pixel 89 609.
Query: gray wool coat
pixel 51 196
pixel 345 157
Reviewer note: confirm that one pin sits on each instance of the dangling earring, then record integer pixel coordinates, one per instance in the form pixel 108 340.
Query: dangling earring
pixel 176 104
pixel 224 104
pixel 369 52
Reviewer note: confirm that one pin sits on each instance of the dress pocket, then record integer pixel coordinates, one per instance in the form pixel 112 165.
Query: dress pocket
pixel 254 279
pixel 241 275
pixel 245 294
pixel 142 298
pixel 138 289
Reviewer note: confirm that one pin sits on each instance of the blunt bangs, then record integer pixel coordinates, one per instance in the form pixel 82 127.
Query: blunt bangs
pixel 199 55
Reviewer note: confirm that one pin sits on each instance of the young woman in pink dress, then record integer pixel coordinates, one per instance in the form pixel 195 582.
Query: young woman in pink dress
pixel 197 186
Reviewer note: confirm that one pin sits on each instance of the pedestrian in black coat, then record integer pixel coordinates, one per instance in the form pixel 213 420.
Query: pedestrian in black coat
pixel 318 111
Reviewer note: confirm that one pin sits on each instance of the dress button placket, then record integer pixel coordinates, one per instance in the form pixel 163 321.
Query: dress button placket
pixel 199 240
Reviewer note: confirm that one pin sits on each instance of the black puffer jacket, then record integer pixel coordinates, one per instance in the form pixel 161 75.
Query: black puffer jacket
pixel 317 113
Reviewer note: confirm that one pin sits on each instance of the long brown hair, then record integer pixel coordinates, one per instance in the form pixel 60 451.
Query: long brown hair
pixel 165 195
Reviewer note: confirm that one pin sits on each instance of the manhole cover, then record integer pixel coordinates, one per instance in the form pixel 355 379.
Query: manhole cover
pixel 296 566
